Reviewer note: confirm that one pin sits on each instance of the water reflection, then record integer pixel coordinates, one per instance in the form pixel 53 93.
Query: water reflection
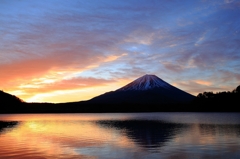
pixel 114 136
pixel 5 125
pixel 207 141
pixel 146 133
pixel 58 139
pixel 220 129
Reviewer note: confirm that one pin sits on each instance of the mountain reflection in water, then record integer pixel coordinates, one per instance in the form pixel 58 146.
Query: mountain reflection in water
pixel 146 133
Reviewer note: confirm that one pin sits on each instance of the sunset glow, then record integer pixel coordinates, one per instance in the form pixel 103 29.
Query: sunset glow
pixel 64 51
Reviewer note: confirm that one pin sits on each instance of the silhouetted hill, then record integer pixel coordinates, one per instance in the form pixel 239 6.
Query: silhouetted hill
pixel 6 98
pixel 9 103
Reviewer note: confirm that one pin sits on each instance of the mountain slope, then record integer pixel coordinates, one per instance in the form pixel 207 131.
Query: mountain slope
pixel 9 103
pixel 8 99
pixel 145 82
pixel 148 89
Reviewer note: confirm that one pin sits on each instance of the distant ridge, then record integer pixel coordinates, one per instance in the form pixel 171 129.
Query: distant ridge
pixel 148 89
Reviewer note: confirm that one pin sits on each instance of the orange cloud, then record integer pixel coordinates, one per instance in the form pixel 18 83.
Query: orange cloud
pixel 75 83
pixel 199 86
pixel 113 58
pixel 53 72
pixel 202 82
pixel 31 68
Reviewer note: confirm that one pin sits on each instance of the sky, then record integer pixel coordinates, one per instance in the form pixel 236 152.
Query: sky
pixel 63 51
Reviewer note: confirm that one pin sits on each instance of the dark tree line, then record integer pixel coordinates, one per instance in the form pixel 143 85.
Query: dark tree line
pixel 220 95
pixel 220 101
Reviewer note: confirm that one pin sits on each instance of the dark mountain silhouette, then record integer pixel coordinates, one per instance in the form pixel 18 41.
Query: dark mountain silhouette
pixel 9 103
pixel 148 89
pixel 8 99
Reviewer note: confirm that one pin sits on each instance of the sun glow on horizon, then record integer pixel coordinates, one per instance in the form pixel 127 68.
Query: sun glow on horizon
pixel 75 94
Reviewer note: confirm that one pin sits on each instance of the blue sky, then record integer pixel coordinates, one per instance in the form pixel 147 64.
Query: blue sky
pixel 57 50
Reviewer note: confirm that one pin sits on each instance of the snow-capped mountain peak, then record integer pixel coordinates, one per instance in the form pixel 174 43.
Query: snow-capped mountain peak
pixel 145 82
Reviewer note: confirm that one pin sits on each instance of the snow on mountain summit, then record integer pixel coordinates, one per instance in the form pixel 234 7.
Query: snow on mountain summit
pixel 146 82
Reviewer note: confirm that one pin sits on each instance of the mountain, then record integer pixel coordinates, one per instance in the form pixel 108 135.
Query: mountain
pixel 8 99
pixel 148 89
pixel 9 103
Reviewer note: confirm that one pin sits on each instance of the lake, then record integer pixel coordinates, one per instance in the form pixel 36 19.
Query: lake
pixel 120 136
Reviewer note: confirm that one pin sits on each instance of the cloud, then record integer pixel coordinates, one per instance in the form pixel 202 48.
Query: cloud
pixel 229 78
pixel 173 67
pixel 194 87
pixel 53 67
pixel 70 84
pixel 202 82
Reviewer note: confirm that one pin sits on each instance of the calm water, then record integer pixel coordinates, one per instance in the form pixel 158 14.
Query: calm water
pixel 121 136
